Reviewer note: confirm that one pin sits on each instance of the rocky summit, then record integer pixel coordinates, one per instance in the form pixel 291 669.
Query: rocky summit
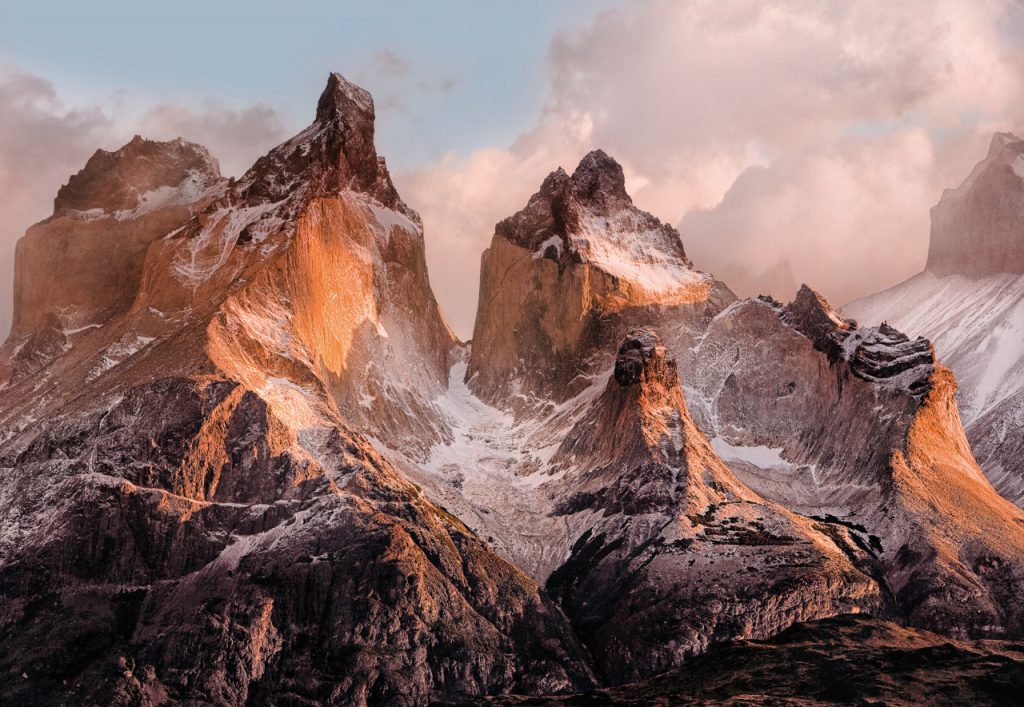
pixel 244 460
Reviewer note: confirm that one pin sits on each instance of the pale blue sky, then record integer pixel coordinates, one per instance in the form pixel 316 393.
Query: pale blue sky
pixel 466 73
pixel 860 113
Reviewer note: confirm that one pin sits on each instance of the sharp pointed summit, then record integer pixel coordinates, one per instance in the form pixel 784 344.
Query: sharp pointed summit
pixel 342 99
pixel 336 153
pixel 599 179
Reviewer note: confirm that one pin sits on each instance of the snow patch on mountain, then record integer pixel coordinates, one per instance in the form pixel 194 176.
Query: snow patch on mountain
pixel 624 246
pixel 196 186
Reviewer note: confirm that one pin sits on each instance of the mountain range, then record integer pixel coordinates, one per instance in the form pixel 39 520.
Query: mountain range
pixel 244 459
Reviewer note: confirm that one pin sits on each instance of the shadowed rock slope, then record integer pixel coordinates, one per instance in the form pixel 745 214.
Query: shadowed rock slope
pixel 866 662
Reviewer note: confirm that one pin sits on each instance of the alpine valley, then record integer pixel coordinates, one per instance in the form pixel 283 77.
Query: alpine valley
pixel 244 460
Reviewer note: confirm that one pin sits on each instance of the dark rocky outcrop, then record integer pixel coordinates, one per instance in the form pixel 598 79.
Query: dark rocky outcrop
pixel 642 356
pixel 866 661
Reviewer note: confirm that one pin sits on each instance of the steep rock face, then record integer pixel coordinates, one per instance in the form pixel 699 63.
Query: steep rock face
pixel 187 512
pixel 976 228
pixel 673 552
pixel 83 265
pixel 563 274
pixel 860 426
pixel 314 263
pixel 970 303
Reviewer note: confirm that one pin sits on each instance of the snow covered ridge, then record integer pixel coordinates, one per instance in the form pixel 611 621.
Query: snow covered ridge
pixel 977 325
pixel 196 186
pixel 626 247
pixel 589 218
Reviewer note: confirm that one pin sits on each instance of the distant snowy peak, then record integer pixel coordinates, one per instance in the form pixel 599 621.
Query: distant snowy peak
pixel 978 228
pixel 140 177
pixel 589 217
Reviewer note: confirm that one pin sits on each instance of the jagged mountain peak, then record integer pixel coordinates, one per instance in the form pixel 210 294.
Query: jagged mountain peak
pixel 579 251
pixel 589 217
pixel 812 315
pixel 140 171
pixel 999 141
pixel 600 181
pixel 341 99
pixel 336 153
pixel 879 354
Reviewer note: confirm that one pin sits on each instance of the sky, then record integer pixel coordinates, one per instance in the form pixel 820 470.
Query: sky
pixel 790 141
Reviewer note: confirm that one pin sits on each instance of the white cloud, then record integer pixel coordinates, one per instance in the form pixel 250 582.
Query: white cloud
pixel 236 137
pixel 858 114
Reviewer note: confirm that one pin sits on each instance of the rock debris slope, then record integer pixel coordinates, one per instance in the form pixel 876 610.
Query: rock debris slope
pixel 186 513
pixel 970 302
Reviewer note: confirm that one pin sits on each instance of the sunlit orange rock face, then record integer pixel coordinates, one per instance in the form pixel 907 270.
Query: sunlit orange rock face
pixel 562 274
